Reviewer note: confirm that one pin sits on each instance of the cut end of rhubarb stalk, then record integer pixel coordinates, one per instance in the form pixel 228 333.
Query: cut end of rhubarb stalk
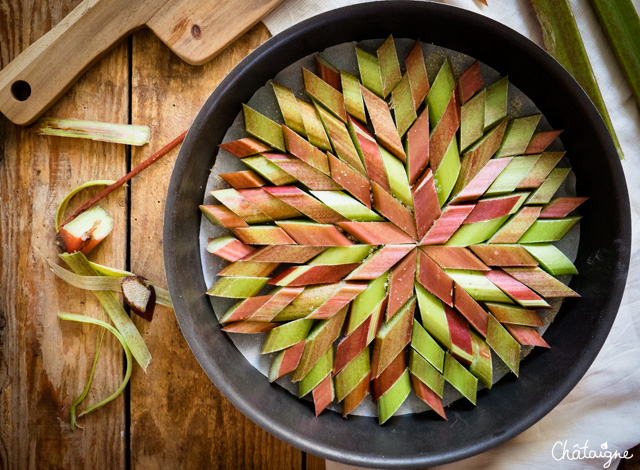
pixel 140 296
pixel 85 231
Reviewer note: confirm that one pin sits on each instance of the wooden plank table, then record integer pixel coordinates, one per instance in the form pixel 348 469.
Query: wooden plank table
pixel 172 416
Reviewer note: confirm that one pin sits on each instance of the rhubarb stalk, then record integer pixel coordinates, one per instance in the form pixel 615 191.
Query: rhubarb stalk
pixel 101 131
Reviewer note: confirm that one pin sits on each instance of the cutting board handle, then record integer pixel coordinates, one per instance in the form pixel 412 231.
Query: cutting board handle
pixel 45 70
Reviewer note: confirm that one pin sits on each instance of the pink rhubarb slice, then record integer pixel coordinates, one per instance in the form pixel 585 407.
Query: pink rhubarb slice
pixel 229 248
pixel 368 149
pixel 305 275
pixel 493 208
pixel 428 396
pixel 481 182
pixel 306 204
pixel 444 133
pixel 401 283
pixel 426 205
pixel 245 147
pixel 323 395
pixel 382 260
pixel 243 179
pixel 545 164
pixel 418 146
pixel 376 233
pixel 306 174
pixel 220 215
pixel 393 210
pixel 447 224
pixel 305 151
pixel 434 279
pixel 516 290
pixel 540 141
pixel 347 292
pixel 516 226
pixel 561 207
pixel 527 336
pixel 249 327
pixel 286 361
pixel 270 205
pixel 388 377
pixel 417 72
pixel 385 129
pixel 284 254
pixel 454 257
pixel 504 255
pixel 263 235
pixel 470 82
pixel 313 234
pixel 351 180
pixel 471 309
pixel 544 284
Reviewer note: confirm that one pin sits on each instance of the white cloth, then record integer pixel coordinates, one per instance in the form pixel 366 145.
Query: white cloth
pixel 604 408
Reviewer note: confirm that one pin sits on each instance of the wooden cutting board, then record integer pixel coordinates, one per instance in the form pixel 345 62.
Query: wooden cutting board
pixel 196 30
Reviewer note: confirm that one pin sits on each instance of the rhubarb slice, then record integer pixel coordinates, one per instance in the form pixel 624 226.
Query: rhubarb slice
pixel 307 275
pixel 243 179
pixel 301 171
pixel 418 146
pixel 511 177
pixel 341 140
pixel 376 233
pixel 305 151
pixel 427 206
pixel 393 210
pixel 527 336
pixel 516 290
pixel 288 104
pixel 306 204
pixel 514 315
pixel 321 370
pixel 516 226
pixel 401 283
pixel 454 257
pixel 541 282
pixel 351 180
pixel 417 72
pixel 461 379
pixel 504 345
pixel 348 377
pixel 423 343
pixel 313 126
pixel 369 152
pixel 561 207
pixel 369 304
pixel 269 171
pixel 314 234
pixel 219 215
pixel 540 141
pixel 229 248
pixel 245 147
pixel 379 262
pixel 551 259
pixel 389 403
pixel 404 112
pixel 472 120
pixel 323 395
pixel 548 230
pixel 478 286
pixel 496 103
pixel 447 224
pixel 235 202
pixel 85 231
pixel 327 72
pixel 397 175
pixel 370 74
pixel 504 255
pixel 428 396
pixel 263 235
pixel 434 279
pixel 342 255
pixel 270 205
pixel 347 292
pixel 518 135
pixel 546 162
pixel 286 335
pixel 324 94
pixel 392 338
pixel 352 96
pixel 481 366
pixel 389 66
pixel 433 316
pixel 381 384
pixel 248 269
pixel 263 128
pixel 546 191
pixel 283 254
pixel 469 83
pixel 347 206
pixel 237 287
pixel 385 129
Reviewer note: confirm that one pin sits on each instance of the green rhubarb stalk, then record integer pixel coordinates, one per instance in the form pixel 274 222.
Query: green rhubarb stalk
pixel 101 131
pixel 80 265
pixel 127 374
pixel 562 40
pixel 621 24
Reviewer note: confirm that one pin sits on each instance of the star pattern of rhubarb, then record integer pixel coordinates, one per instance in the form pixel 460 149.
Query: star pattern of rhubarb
pixel 399 252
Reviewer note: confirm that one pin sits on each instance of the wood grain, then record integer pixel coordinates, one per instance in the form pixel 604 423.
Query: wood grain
pixel 178 418
pixel 44 363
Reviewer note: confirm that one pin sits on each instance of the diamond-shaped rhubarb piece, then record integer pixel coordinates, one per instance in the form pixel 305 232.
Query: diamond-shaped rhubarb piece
pixel 551 259
pixel 301 171
pixel 347 206
pixel 434 318
pixel 496 104
pixel 369 152
pixel 370 303
pixel 401 283
pixel 478 286
pixel 454 257
pixel 342 255
pixel 319 341
pixel 327 72
pixel 263 235
pixel 541 282
pixel 351 374
pixel 323 395
pixel 518 136
pixel 229 248
pixel 268 204
pixel 269 171
pixel 444 132
pixel 447 224
pixel 352 96
pixel 434 279
pixel 461 379
pixel 516 226
pixel 219 215
pixel 263 128
pixel 392 338
pixel 341 140
pixel 376 233
pixel 514 315
pixel 306 204
pixel 494 207
pixel 389 403
pixel 546 191
pixel 470 309
pixel 389 66
pixel 429 376
pixel 385 129
pixel 353 399
pixel 243 179
pixel 324 94
pixel 237 287
pixel 428 348
pixel 311 298
pixel 481 182
pixel 511 177
pixel 284 254
pixel 286 335
pixel 548 230
pixel 245 147
pixel 481 366
pixel 440 92
pixel 504 345
pixel 305 275
pixel 561 207
pixel 527 336
pixel 472 120
pixel 379 262
pixel 351 180
pixel 428 396
pixel 393 210
pixel 286 361
pixel 540 141
pixel 504 255
pixel 314 234
pixel 289 108
pixel 427 206
pixel 352 346
pixel 516 290
pixel 476 232
pixel 397 176
pixel 469 83
pixel 402 104
pixel 249 327
pixel 418 146
pixel 313 126
pixel 545 164
pixel 380 385
pixel 369 68
pixel 347 292
pixel 305 151
pixel 321 370
pixel 262 308
pixel 417 72
pixel 248 269
pixel 237 203
pixel 460 334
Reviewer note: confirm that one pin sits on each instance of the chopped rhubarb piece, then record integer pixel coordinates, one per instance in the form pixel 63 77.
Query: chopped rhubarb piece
pixel 305 275
pixel 546 191
pixel 369 151
pixel 434 279
pixel 481 182
pixel 270 205
pixel 561 207
pixel 313 234
pixel 388 377
pixel 323 395
pixel 243 179
pixel 84 232
pixel 352 96
pixel 474 159
pixel 492 208
pixel 527 336
pixel 507 348
pixel 428 348
pixel 401 283
pixel 393 210
pixel 244 309
pixel 237 287
pixel 551 259
pixel 249 327
pixel 220 215
pixel 517 169
pixel 434 318
pixel 306 174
pixel 269 171
pixel 327 72
pixel 370 303
pixel 248 269
pixel 398 181
pixel 402 103
pixel 263 235
pixel 313 126
pixel 444 133
pixel 392 338
pixel 286 335
pixel 417 72
pixel 541 282
pixel 245 147
pixel 389 66
pixel 472 120
pixel 352 346
pixel 481 365
pixel 311 298
pixel 347 292
pixel 460 333
pixel 289 108
pixel 469 83
pixel 496 105
pixel 540 141
pixel 284 254
pixel 516 226
pixel 428 396
pixel 447 173
pixel 325 94
pixel 548 230
pixel 317 373
pixel 343 255
pixel 418 146
pixel 516 290
pixel 542 168
pixel 341 140
pixel 380 261
pixel 347 206
pixel 426 372
pixel 237 203
pixel 461 379
pixel 383 124
pixel 376 233
pixel 447 224
pixel 389 403
pixel 349 376
pixel 514 315
pixel 280 298
pixel 351 180
pixel 478 286
pixel 518 136
pixel 454 257
pixel 476 232
pixel 263 128
pixel 355 397
pixel 369 68
pixel 305 151
pixel 319 341
pixel 286 361
pixel 440 94
pixel 426 204
pixel 306 204
pixel 504 255
pixel 229 248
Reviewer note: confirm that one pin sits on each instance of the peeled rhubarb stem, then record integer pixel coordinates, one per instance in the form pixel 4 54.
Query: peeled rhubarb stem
pixel 100 131
pixel 148 162
pixel 562 40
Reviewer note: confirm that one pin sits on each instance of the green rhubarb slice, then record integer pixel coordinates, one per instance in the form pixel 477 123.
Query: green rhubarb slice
pixel 348 378
pixel 428 374
pixel 551 259
pixel 313 126
pixel 317 374
pixel 440 92
pixel 269 171
pixel 367 301
pixel 507 348
pixel 518 135
pixel 447 173
pixel 289 108
pixel 461 379
pixel 548 230
pixel 389 66
pixel 478 286
pixel 509 179
pixel 237 287
pixel 285 335
pixel 477 232
pixel 342 255
pixel 472 120
pixel 496 103
pixel 398 179
pixel 545 192
pixel 389 403
pixel 370 74
pixel 428 348
pixel 353 101
pixel 263 128
pixel 481 365
pixel 433 315
pixel 347 206
pixel 402 104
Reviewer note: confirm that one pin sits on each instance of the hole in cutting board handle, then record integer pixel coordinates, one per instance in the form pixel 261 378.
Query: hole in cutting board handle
pixel 21 90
